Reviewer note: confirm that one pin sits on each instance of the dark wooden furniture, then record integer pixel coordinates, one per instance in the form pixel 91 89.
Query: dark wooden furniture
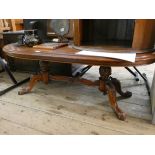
pixel 106 83
pixel 132 33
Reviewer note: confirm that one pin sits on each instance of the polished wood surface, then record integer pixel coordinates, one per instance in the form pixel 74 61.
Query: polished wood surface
pixel 77 32
pixel 68 55
pixel 144 34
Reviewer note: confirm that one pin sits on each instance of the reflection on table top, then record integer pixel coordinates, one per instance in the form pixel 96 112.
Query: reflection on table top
pixel 68 54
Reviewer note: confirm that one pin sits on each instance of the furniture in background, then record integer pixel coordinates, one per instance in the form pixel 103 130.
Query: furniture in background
pixel 11 26
pixel 137 34
pixel 29 65
pixel 106 83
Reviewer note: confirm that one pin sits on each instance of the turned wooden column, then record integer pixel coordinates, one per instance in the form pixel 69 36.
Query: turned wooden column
pixel 104 72
pixel 41 76
pixel 44 69
pixel 109 85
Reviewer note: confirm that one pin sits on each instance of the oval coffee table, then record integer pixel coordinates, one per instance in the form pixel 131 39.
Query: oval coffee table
pixel 106 83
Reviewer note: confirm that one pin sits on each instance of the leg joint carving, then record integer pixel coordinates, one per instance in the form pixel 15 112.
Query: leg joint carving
pixel 105 72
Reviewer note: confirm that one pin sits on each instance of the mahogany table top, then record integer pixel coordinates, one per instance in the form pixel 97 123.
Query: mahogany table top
pixel 68 55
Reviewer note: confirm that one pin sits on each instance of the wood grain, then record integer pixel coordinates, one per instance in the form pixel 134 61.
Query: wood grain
pixel 68 55
pixel 8 127
pixel 144 34
pixel 77 32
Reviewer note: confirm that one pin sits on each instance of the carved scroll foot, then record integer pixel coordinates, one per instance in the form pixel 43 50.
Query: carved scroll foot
pixel 42 76
pixel 118 88
pixel 112 98
pixel 23 91
pixel 33 81
pixel 110 85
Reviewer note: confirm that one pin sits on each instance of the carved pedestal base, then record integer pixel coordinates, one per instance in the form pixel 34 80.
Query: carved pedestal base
pixel 107 85
pixel 110 85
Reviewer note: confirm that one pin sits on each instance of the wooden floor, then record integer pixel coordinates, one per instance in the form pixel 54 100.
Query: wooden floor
pixel 66 108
